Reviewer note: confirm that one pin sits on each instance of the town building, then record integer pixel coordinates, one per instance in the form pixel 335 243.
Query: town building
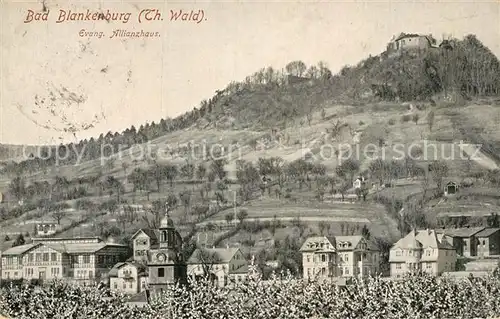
pixel 164 259
pixel 422 250
pixel 76 260
pixel 410 41
pixel 451 188
pixel 128 277
pixel 341 256
pixel 464 239
pixel 221 265
pixel 46 228
pixel 488 242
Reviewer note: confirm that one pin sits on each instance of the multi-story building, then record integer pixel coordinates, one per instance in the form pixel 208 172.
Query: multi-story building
pixel 77 260
pixel 222 265
pixel 341 256
pixel 464 239
pixel 128 277
pixel 422 250
pixel 143 241
pixel 164 259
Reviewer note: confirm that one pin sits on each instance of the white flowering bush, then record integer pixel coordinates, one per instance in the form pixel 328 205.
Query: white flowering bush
pixel 417 296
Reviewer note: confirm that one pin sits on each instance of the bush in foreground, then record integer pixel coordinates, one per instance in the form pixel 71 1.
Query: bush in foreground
pixel 417 296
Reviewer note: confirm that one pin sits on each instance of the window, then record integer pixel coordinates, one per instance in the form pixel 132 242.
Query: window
pixel 428 265
pixel 116 285
pixel 38 257
pixel 428 252
pixel 323 271
pixel 398 266
pixel 45 256
pixel 130 285
pixel 30 257
pixel 484 242
pixel 53 257
pixel 398 253
pixel 86 259
pixel 323 257
pixel 308 258
pixel 161 272
pixel 346 270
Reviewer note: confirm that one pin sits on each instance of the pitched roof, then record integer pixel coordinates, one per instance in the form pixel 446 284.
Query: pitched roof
pixel 18 250
pixel 151 233
pixel 114 271
pixel 408 35
pixel 423 239
pixel 220 255
pixel 487 232
pixel 70 248
pixel 318 243
pixel 461 232
pixel 351 241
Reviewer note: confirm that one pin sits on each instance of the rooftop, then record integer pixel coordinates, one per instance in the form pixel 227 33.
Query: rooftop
pixel 487 232
pixel 461 232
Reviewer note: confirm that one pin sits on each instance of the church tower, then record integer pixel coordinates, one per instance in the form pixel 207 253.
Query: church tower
pixel 165 263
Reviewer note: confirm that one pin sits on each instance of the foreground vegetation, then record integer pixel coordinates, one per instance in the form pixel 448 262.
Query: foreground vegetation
pixel 418 296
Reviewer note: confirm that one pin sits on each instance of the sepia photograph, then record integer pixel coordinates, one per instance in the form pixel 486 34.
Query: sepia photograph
pixel 244 159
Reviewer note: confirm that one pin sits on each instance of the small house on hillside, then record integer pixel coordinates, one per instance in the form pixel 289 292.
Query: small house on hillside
pixel 451 188
pixel 410 41
pixel 358 182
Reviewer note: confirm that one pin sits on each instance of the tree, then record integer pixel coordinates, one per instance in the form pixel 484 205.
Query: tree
pixel 430 120
pixel 19 241
pixel 242 215
pixel 187 171
pixel 365 232
pixel 296 68
pixel 438 170
pixel 229 217
pixel 348 169
pixel 158 173
pixel 248 178
pixel 125 167
pixel 171 173
pixel 201 172
pixel 493 220
pixel 415 118
pixel 115 187
pixel 17 187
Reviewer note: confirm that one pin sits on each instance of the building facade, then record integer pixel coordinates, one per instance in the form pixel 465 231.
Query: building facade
pixel 422 250
pixel 222 265
pixel 341 256
pixel 164 261
pixel 409 42
pixel 128 277
pixel 488 242
pixel 81 261
pixel 464 240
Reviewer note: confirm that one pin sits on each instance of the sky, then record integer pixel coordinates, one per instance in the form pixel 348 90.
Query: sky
pixel 52 79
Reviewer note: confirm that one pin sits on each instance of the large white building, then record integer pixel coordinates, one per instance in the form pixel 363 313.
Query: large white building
pixel 340 256
pixel 422 250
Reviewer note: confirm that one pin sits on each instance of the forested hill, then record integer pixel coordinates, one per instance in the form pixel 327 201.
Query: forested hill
pixel 276 98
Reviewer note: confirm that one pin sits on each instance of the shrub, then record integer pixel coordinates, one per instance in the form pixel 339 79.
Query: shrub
pixel 392 122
